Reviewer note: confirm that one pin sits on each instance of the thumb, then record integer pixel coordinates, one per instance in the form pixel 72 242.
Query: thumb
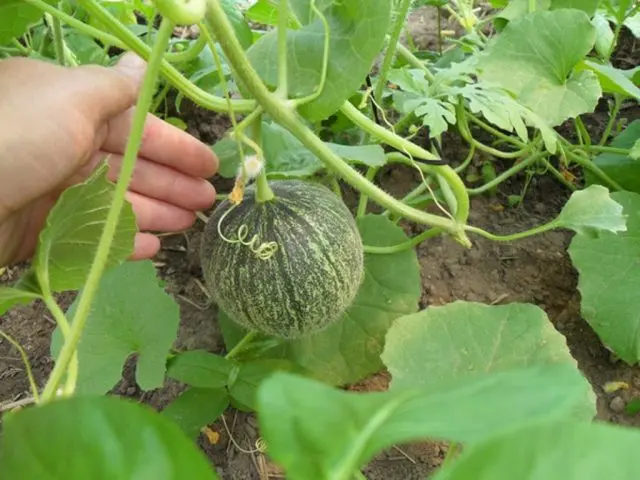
pixel 110 91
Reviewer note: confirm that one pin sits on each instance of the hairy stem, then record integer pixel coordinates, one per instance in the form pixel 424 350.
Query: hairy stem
pixel 515 236
pixel 63 324
pixel 263 190
pixel 559 176
pixel 58 40
pixel 130 41
pixel 362 203
pixel 601 149
pixel 27 365
pixel 396 31
pixel 106 239
pixel 384 135
pixel 593 168
pixel 282 113
pixel 506 174
pixel 242 345
pixel 401 247
pixel 283 73
pixel 414 61
pixel 190 53
pixel 21 48
pixel 495 132
pixel 617 98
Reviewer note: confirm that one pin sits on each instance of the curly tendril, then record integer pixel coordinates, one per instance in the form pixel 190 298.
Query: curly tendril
pixel 263 251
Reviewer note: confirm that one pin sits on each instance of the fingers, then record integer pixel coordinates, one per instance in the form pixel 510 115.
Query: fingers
pixel 165 184
pixel 158 216
pixel 146 246
pixel 164 144
pixel 102 93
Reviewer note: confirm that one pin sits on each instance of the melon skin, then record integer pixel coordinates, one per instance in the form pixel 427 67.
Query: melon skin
pixel 311 279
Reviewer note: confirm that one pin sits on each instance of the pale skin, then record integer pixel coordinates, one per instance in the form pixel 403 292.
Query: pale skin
pixel 57 124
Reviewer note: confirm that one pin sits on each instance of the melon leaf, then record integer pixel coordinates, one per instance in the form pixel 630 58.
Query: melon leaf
pixel 317 431
pixel 591 211
pixel 609 281
pixel 16 17
pixel 357 33
pixel 462 339
pixel 552 451
pixel 98 437
pixel 69 240
pixel 131 313
pixel 543 48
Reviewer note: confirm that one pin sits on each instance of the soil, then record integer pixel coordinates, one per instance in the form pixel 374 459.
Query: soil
pixel 535 270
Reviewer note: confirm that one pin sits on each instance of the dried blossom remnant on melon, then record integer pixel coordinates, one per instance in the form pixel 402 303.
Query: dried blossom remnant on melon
pixel 237 194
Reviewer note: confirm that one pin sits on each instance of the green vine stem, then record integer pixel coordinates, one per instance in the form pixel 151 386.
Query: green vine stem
pixel 106 239
pixel 128 40
pixel 65 329
pixel 599 149
pixel 592 167
pixel 515 236
pixel 497 133
pixel 465 132
pixel 283 74
pixel 414 61
pixel 401 247
pixel 558 175
pixel 27 365
pixel 58 40
pixel 387 61
pixel 518 167
pixel 617 99
pixel 285 116
pixel 362 203
pixel 583 134
pixel 263 190
pixel 459 204
pixel 242 345
pixel 394 39
pixel 386 136
pixel 188 54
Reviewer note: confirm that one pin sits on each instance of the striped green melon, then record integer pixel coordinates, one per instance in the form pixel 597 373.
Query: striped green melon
pixel 310 280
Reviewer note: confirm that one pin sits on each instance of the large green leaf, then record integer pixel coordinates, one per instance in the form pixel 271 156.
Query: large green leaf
pixel 130 313
pixel 590 211
pixel 553 451
pixel 357 32
pixel 612 80
pixel 97 438
pixel 15 18
pixel 318 432
pixel 69 240
pixel 621 168
pixel 462 339
pixel 350 349
pixel 534 58
pixel 609 281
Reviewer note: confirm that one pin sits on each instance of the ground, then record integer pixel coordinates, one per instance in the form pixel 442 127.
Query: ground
pixel 535 270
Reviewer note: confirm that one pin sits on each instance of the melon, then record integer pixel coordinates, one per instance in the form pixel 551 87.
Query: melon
pixel 305 275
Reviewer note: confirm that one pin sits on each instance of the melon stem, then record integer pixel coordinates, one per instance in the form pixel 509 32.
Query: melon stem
pixel 263 190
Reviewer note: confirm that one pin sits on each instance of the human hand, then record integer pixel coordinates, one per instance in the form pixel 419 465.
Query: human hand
pixel 58 124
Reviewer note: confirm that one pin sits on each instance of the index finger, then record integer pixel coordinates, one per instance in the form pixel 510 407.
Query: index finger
pixel 163 143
